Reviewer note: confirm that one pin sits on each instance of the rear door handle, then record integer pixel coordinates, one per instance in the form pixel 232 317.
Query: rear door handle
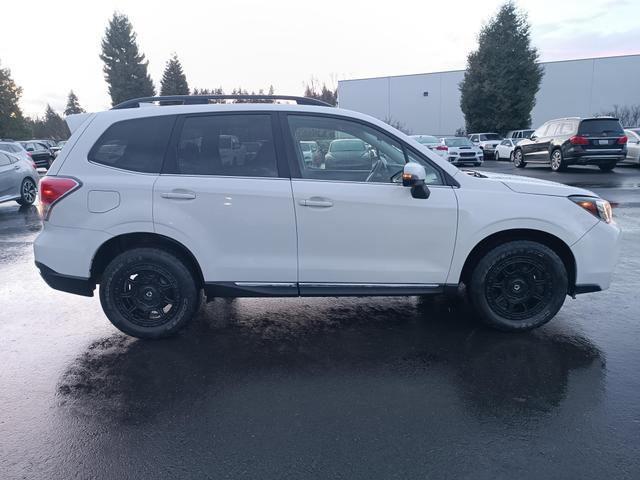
pixel 179 195
pixel 316 202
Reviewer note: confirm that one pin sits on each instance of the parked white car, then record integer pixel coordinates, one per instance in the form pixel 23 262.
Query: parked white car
pixel 460 151
pixel 18 179
pixel 428 141
pixel 633 145
pixel 486 141
pixel 119 211
pixel 504 150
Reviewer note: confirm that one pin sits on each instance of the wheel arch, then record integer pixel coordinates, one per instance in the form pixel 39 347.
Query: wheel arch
pixel 498 238
pixel 121 243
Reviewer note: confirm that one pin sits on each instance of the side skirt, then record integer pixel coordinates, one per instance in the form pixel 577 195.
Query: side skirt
pixel 277 289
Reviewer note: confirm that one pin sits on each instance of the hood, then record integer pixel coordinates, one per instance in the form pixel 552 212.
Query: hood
pixel 536 186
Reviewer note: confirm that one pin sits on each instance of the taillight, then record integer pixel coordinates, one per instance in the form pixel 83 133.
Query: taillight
pixel 442 147
pixel 579 140
pixel 54 189
pixel 623 140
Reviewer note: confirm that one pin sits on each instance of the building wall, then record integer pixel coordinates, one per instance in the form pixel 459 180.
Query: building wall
pixel 569 88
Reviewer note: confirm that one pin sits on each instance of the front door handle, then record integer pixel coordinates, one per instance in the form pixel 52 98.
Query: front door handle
pixel 179 195
pixel 316 202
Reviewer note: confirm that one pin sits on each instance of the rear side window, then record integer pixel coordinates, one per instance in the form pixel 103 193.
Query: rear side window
pixel 228 145
pixel 600 127
pixel 137 145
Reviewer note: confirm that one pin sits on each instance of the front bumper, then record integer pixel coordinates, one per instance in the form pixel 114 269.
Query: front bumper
pixel 596 255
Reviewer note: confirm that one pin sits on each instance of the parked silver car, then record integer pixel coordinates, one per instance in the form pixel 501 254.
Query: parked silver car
pixel 15 148
pixel 18 179
pixel 633 145
pixel 460 151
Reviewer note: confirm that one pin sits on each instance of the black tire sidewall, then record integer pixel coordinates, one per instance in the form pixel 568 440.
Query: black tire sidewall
pixel 522 163
pixel 554 266
pixel 190 294
pixel 22 201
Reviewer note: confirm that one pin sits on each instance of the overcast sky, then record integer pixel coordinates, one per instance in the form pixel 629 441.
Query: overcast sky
pixel 52 47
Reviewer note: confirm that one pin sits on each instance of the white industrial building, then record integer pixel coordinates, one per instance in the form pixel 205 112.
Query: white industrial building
pixel 429 103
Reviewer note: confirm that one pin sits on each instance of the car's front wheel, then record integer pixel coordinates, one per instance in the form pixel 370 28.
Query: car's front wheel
pixel 28 192
pixel 148 293
pixel 518 159
pixel 496 156
pixel 557 162
pixel 518 285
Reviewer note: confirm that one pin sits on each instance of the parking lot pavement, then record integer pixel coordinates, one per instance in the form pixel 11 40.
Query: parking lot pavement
pixel 316 388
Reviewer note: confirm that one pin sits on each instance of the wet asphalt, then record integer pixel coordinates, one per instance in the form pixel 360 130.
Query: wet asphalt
pixel 392 388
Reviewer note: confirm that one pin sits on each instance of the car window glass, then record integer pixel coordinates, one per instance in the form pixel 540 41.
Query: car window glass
pixel 230 145
pixel 551 129
pixel 600 127
pixel 566 128
pixel 348 150
pixel 4 160
pixel 138 144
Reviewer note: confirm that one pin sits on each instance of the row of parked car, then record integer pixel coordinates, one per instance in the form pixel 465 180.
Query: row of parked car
pixel 42 152
pixel 599 141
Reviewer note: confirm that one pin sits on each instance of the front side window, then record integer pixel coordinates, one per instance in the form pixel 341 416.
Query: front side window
pixel 137 145
pixel 4 160
pixel 227 145
pixel 349 151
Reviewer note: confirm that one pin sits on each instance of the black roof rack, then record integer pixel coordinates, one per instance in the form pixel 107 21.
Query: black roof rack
pixel 205 99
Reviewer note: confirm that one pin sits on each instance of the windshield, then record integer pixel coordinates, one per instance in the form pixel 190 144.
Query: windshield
pixel 490 136
pixel 458 142
pixel 426 139
pixel 347 146
pixel 600 127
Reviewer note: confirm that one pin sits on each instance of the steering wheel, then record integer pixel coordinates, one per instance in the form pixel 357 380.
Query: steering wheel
pixel 377 168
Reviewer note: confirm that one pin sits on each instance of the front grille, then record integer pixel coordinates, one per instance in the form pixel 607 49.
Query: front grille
pixel 467 154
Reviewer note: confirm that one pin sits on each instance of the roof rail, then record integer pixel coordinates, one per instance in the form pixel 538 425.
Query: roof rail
pixel 205 99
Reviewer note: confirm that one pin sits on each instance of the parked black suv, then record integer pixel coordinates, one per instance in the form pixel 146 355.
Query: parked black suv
pixel 567 141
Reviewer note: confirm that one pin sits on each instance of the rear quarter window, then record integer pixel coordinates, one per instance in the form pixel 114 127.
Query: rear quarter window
pixel 138 144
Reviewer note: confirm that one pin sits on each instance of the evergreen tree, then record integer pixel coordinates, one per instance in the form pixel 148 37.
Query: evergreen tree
pixel 174 81
pixel 55 126
pixel 73 105
pixel 324 93
pixel 125 68
pixel 12 122
pixel 502 76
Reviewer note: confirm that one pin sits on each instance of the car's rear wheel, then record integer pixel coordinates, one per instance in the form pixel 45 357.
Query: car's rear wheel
pixel 148 293
pixel 607 167
pixel 496 156
pixel 28 192
pixel 518 159
pixel 557 162
pixel 518 285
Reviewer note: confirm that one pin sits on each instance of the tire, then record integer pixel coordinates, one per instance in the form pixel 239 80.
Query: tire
pixel 28 192
pixel 518 286
pixel 557 161
pixel 149 293
pixel 607 167
pixel 511 156
pixel 496 156
pixel 518 159
pixel 477 164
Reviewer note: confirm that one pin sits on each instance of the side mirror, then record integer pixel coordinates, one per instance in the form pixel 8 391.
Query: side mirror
pixel 533 137
pixel 414 176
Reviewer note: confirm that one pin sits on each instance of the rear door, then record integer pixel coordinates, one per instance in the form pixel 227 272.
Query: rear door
pixel 234 212
pixel 540 150
pixel 7 177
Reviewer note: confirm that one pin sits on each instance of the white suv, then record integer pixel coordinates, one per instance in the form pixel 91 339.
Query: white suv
pixel 143 202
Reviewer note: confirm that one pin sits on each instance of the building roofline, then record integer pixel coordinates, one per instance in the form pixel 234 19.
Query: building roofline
pixel 381 77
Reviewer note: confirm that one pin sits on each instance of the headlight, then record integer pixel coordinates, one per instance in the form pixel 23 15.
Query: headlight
pixel 596 206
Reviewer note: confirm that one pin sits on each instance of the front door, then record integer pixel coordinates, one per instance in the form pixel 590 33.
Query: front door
pixel 235 213
pixel 358 229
